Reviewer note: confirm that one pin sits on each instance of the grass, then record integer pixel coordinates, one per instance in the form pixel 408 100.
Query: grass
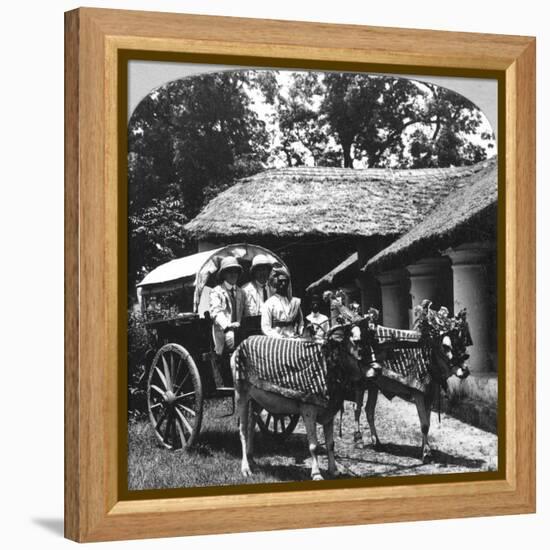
pixel 214 460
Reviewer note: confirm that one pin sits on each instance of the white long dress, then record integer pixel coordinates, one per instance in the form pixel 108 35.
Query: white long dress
pixel 282 317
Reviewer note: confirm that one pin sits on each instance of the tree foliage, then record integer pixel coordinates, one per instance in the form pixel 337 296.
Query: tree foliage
pixel 381 121
pixel 187 141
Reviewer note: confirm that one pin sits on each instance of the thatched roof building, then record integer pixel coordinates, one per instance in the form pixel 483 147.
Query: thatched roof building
pixel 467 214
pixel 328 202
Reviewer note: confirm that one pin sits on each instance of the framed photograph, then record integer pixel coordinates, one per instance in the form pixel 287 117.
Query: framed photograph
pixel 300 274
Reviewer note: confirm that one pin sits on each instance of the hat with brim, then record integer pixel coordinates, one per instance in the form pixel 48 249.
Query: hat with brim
pixel 260 260
pixel 229 263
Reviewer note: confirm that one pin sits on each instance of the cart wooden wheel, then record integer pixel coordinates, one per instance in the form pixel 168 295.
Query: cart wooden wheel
pixel 277 426
pixel 174 397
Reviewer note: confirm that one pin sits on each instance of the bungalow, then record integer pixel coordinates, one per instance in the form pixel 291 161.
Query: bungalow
pixel 315 218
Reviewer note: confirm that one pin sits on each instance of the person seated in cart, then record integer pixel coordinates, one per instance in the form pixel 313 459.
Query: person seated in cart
pixel 258 290
pixel 227 304
pixel 281 314
pixel 318 322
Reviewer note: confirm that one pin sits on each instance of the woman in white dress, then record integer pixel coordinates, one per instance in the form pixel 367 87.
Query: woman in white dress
pixel 281 314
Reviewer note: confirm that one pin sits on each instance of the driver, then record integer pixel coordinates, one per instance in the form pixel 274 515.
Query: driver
pixel 281 314
pixel 318 321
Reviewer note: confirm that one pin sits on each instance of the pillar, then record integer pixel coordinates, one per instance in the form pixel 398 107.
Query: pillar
pixel 470 283
pixel 394 303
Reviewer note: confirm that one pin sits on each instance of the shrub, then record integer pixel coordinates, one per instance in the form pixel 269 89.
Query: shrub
pixel 138 345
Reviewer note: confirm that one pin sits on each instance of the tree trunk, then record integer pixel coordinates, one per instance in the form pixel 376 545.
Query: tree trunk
pixel 348 159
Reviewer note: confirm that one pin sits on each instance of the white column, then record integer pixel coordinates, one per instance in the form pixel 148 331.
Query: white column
pixel 394 305
pixel 471 292
pixel 424 276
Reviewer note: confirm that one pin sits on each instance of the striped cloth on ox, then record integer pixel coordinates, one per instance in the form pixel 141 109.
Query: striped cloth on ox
pixel 403 358
pixel 291 367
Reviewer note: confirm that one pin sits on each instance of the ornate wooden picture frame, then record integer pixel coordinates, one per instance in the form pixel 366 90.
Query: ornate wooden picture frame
pixel 98 45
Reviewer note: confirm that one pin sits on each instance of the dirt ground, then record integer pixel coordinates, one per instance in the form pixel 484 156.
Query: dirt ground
pixel 215 459
pixel 457 446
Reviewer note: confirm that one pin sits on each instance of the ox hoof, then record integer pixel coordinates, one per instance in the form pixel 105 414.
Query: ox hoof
pixel 377 445
pixel 427 458
pixel 246 471
pixel 317 477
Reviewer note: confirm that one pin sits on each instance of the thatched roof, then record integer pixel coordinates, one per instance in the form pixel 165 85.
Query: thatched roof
pixel 469 213
pixel 294 202
pixel 349 265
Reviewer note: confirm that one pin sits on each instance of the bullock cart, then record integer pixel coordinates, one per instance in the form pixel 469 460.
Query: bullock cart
pixel 182 368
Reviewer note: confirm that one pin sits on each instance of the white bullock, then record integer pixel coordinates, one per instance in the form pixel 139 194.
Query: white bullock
pixel 342 355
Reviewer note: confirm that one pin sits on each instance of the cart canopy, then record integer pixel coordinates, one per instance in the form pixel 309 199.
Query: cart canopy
pixel 174 271
pixel 200 271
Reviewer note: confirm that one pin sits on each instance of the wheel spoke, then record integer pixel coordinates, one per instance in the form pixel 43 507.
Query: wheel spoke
pixel 182 383
pixel 185 395
pixel 158 390
pixel 157 405
pixel 162 377
pixel 174 380
pixel 184 420
pixel 166 372
pixel 282 421
pixel 181 432
pixel 171 371
pixel 187 409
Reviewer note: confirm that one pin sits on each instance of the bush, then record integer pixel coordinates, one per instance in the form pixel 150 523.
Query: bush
pixel 138 346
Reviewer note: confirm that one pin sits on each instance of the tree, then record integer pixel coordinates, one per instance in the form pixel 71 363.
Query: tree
pixel 452 119
pixel 193 133
pixel 155 236
pixel 303 135
pixel 379 120
pixel 187 141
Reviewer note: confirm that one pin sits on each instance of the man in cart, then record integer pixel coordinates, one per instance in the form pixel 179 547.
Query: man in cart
pixel 258 290
pixel 227 304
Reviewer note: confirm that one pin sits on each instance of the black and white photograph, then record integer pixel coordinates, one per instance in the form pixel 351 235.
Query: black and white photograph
pixel 312 275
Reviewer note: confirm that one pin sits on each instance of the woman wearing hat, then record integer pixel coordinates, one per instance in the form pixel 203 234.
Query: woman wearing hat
pixel 281 314
pixel 227 303
pixel 257 291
